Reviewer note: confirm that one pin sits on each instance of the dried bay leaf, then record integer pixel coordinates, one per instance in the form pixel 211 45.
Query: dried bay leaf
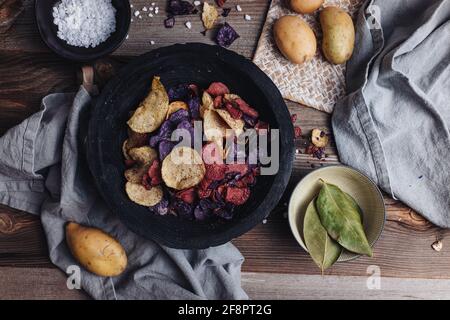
pixel 323 250
pixel 341 217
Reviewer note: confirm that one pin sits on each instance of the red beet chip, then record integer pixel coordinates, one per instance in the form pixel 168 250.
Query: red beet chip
pixel 215 171
pixel 203 194
pixel 297 132
pixel 220 3
pixel 217 89
pixel 294 118
pixel 242 169
pixel 245 108
pixel 154 172
pixel 235 113
pixel 187 195
pixel 218 102
pixel 146 181
pixel 212 154
pixel 237 196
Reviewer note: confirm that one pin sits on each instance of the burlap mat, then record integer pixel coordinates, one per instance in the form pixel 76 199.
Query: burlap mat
pixel 317 83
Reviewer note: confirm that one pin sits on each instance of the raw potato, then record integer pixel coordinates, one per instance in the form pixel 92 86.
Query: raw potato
pixel 338 35
pixel 180 175
pixel 95 250
pixel 140 195
pixel 319 138
pixel 209 15
pixel 295 39
pixel 305 6
pixel 175 106
pixel 152 111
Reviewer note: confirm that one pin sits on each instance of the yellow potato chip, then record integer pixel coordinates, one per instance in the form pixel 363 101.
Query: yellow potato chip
pixel 183 168
pixel 152 111
pixel 209 15
pixel 140 195
pixel 319 138
pixel 143 154
pixel 175 106
pixel 236 124
pixel 214 127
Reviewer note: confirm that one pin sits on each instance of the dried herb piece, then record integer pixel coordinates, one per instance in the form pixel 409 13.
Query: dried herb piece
pixel 220 3
pixel 323 250
pixel 226 35
pixel 209 15
pixel 225 12
pixel 341 217
pixel 169 22
pixel 180 8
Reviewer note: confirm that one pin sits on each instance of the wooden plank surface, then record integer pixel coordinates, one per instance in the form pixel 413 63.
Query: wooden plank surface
pixel 50 283
pixel 28 71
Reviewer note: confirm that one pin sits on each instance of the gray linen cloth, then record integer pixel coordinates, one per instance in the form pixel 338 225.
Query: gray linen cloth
pixel 42 171
pixel 394 123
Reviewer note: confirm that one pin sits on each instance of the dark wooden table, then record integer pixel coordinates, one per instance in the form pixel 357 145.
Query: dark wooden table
pixel 275 267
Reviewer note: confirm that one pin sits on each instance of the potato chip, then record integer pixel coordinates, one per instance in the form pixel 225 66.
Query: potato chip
pixel 136 173
pixel 183 168
pixel 125 150
pixel 175 106
pixel 209 15
pixel 152 111
pixel 236 124
pixel 143 155
pixel 215 127
pixel 140 195
pixel 207 104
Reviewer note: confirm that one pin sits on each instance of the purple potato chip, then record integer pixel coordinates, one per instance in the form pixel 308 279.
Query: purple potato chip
pixel 169 22
pixel 194 107
pixel 224 213
pixel 179 116
pixel 201 214
pixel 180 7
pixel 161 208
pixel 183 209
pixel 165 147
pixel 154 140
pixel 249 120
pixel 226 35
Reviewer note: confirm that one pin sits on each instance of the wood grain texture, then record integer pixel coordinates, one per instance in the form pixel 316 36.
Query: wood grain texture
pixel 50 283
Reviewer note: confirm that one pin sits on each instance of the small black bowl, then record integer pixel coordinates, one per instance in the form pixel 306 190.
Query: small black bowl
pixel 185 63
pixel 48 31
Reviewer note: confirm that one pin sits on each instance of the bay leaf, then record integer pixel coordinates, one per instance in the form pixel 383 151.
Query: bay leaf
pixel 341 217
pixel 323 250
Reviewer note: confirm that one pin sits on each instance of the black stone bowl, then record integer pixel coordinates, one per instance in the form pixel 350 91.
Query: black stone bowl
pixel 48 31
pixel 184 63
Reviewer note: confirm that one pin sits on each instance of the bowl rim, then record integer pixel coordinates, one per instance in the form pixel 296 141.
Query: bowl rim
pixel 293 226
pixel 74 56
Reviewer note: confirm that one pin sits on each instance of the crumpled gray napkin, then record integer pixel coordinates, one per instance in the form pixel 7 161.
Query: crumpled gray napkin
pixel 394 124
pixel 43 172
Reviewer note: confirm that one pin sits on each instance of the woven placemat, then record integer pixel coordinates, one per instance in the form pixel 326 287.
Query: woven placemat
pixel 316 83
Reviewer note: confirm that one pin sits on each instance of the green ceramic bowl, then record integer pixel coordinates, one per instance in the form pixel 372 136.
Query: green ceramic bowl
pixel 359 186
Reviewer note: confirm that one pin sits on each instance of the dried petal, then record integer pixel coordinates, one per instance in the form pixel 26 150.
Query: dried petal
pixel 226 35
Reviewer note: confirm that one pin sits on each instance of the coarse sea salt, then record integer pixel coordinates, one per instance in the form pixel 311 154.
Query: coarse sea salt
pixel 84 23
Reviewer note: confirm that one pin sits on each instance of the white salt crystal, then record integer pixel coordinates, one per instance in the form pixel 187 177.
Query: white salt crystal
pixel 247 17
pixel 152 42
pixel 197 3
pixel 188 25
pixel 137 13
pixel 238 8
pixel 150 15
pixel 84 23
pixel 145 9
